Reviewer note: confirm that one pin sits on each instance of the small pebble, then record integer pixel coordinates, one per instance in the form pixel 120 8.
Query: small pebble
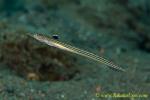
pixel 62 96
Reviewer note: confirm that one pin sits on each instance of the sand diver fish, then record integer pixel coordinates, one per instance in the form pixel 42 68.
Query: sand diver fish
pixel 57 44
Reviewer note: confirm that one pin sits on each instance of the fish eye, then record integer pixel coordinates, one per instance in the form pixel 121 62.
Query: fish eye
pixel 55 37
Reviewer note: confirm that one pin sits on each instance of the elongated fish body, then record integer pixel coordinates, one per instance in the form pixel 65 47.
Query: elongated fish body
pixel 55 43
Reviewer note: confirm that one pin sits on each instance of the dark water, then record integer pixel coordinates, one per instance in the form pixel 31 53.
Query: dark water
pixel 115 29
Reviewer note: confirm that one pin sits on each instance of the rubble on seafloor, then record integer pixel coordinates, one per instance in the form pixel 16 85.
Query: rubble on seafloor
pixel 35 61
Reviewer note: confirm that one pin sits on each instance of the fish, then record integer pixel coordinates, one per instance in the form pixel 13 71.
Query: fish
pixel 66 47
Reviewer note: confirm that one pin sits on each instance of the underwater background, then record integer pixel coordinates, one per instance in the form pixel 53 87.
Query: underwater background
pixel 118 30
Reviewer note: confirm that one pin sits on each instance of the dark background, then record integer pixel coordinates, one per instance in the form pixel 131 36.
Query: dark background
pixel 118 30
